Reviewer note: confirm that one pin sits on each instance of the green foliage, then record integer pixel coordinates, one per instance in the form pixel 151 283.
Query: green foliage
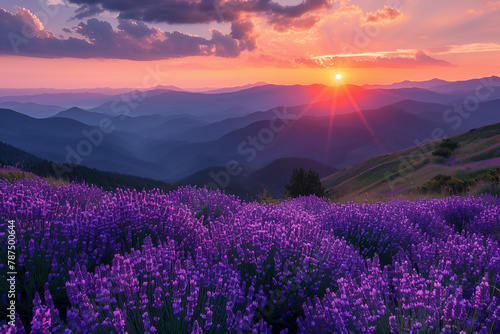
pixel 445 149
pixel 445 182
pixel 304 183
pixel 449 144
pixel 444 152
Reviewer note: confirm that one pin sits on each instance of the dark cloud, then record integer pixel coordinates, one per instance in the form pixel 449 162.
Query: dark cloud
pixel 98 39
pixel 300 17
pixel 207 11
pixel 225 45
pixel 244 32
pixel 87 10
pixel 178 44
pixel 137 29
pixel 98 32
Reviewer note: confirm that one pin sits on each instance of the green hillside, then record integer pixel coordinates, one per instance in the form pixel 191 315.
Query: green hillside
pixel 424 171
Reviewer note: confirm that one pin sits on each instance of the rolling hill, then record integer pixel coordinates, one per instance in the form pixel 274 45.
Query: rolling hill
pixel 410 172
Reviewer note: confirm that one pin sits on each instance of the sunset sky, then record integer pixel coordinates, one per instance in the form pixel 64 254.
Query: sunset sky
pixel 217 43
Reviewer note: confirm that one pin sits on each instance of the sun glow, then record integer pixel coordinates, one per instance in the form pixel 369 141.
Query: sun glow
pixel 338 76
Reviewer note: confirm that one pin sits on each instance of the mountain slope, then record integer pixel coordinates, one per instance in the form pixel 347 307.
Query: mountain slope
pixel 12 156
pixel 50 138
pixel 32 109
pixel 83 116
pixel 350 140
pixel 68 100
pixel 404 172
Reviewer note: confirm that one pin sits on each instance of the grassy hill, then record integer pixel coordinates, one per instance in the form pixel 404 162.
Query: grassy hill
pixel 417 172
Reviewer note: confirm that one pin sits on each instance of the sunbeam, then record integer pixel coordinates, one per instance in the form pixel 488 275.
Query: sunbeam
pixel 330 125
pixel 360 114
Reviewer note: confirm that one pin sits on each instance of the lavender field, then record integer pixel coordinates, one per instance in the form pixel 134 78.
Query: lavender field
pixel 199 261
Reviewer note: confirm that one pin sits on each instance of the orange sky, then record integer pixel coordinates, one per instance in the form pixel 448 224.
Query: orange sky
pixel 367 41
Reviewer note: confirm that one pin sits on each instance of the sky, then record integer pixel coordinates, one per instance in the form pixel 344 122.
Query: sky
pixel 222 43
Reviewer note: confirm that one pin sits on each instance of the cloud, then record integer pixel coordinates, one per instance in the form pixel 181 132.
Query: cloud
pixel 466 48
pixel 137 29
pixel 244 31
pixel 22 33
pixel 473 11
pixel 381 16
pixel 348 10
pixel 422 59
pixel 16 28
pixel 85 11
pixel 284 24
pixel 494 5
pixel 396 59
pixel 282 18
pixel 224 45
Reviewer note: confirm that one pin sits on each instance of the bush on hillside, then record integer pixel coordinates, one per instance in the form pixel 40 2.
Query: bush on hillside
pixel 445 149
pixel 304 183
pixel 445 182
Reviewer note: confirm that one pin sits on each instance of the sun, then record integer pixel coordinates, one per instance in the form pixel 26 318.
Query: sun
pixel 338 76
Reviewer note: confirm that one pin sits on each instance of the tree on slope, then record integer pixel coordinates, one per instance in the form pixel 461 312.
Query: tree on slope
pixel 304 183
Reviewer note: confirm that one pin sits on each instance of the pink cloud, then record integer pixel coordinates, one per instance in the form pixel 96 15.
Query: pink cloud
pixel 403 60
pixel 385 15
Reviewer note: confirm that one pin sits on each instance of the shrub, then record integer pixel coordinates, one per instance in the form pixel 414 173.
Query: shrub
pixel 444 152
pixel 445 149
pixel 445 182
pixel 304 183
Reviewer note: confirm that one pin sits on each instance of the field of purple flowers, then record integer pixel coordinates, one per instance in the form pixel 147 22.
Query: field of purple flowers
pixel 199 261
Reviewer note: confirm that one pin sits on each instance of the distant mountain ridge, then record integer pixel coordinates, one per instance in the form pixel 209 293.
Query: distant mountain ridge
pixel 32 109
pixel 172 147
pixel 171 134
pixel 441 86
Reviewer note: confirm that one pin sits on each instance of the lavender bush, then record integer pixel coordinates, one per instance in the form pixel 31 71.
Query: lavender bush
pixel 199 261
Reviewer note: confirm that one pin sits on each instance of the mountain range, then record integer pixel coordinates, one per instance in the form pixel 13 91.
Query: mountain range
pixel 181 137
